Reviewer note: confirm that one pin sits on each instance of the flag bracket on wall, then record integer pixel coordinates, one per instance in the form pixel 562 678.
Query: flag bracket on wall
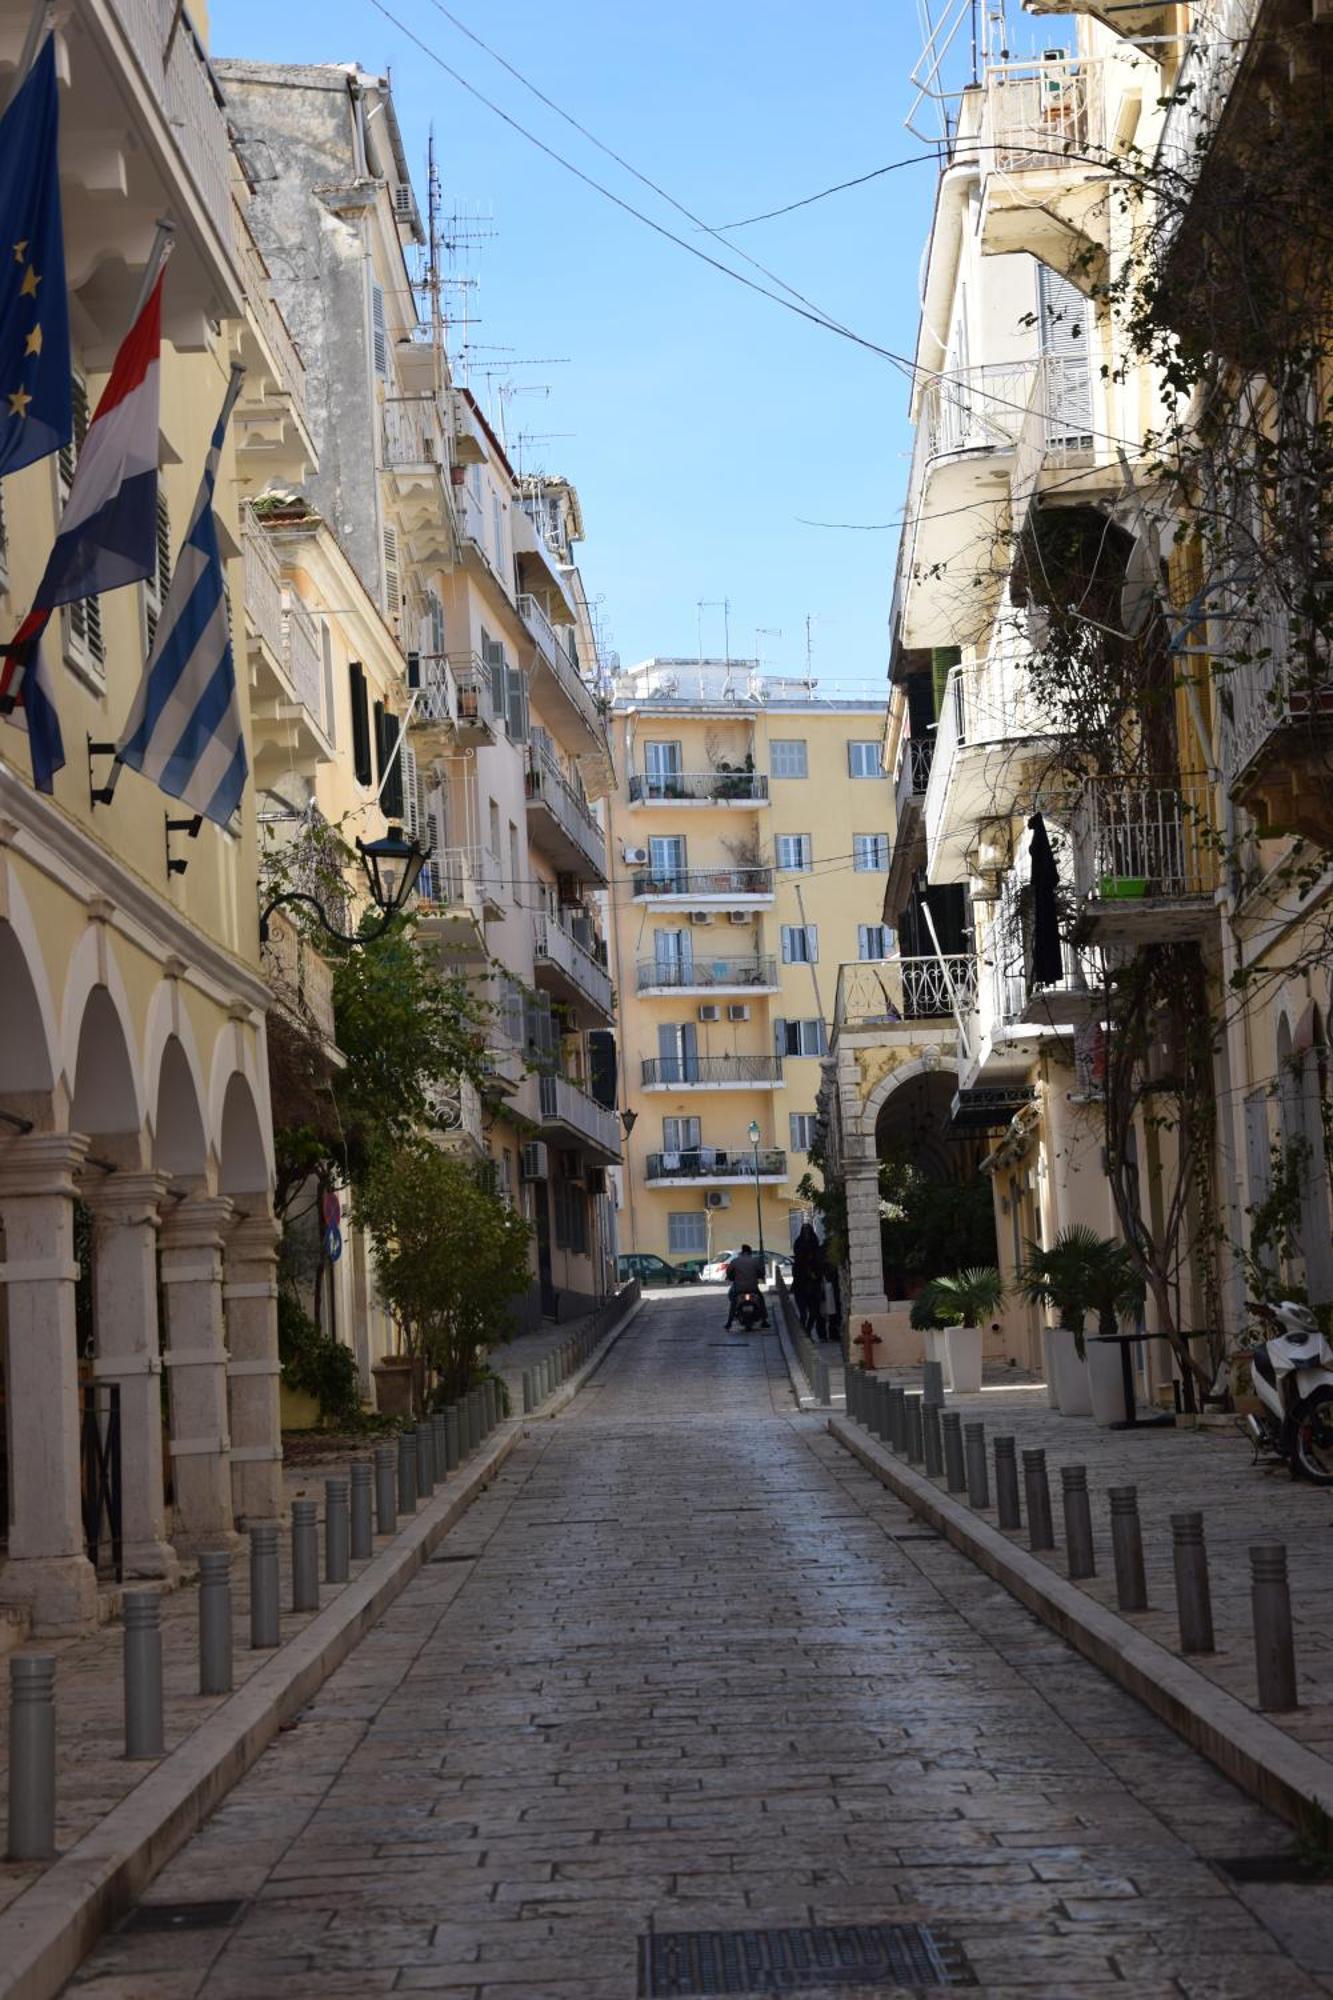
pixel 176 865
pixel 99 795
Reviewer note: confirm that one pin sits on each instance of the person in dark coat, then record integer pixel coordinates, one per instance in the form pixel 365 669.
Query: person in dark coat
pixel 807 1259
pixel 1048 967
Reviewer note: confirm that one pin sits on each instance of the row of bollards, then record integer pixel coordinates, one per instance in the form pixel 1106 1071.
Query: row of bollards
pixel 544 1377
pixel 371 1501
pixel 915 1428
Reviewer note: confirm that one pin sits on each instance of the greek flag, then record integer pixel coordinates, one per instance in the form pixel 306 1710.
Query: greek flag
pixel 184 731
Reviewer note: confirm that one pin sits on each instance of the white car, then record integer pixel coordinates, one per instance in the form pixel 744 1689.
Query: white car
pixel 715 1270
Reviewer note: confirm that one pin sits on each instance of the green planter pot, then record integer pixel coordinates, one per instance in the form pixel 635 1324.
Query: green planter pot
pixel 1123 888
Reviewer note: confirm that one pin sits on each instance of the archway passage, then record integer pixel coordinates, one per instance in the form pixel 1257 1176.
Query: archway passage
pixel 180 1147
pixel 25 1057
pixel 242 1164
pixel 105 1103
pixel 937 1212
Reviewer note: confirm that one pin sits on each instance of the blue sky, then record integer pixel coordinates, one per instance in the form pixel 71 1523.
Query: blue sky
pixel 703 421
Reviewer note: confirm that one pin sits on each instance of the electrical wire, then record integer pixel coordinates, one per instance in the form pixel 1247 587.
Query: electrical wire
pixel 839 187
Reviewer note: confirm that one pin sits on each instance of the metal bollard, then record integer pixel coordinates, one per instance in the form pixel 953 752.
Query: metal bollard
pixel 215 1657
pixel 1131 1584
pixel 932 1383
pixel 337 1546
pixel 1080 1554
pixel 1008 1513
pixel 1194 1602
pixel 1274 1645
pixel 265 1614
pixel 425 1459
pixel 951 1429
pixel 441 1457
pixel 887 1406
pixel 386 1492
pixel 407 1472
pixel 32 1757
pixel 305 1556
pixel 916 1449
pixel 362 1524
pixel 932 1444
pixel 974 1458
pixel 142 1610
pixel 452 1453
pixel 527 1391
pixel 1037 1492
pixel 491 1393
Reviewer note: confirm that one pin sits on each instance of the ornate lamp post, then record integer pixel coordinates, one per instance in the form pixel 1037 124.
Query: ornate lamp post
pixel 392 864
pixel 758 1203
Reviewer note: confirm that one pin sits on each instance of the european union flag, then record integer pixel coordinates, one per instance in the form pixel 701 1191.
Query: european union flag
pixel 35 413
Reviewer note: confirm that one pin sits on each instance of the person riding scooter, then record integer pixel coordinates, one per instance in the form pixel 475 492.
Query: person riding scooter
pixel 745 1273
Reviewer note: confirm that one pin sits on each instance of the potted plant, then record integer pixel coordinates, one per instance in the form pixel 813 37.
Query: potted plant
pixel 961 1302
pixel 922 1318
pixel 1084 1273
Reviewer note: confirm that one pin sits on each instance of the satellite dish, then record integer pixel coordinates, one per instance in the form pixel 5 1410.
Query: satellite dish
pixel 1142 584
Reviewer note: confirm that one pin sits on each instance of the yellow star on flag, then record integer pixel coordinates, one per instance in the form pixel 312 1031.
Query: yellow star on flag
pixel 34 345
pixel 28 289
pixel 20 251
pixel 18 403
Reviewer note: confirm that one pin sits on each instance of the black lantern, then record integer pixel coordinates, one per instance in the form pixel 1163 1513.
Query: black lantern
pixel 629 1119
pixel 392 865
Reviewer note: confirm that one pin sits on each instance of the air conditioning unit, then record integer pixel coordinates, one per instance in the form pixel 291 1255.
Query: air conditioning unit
pixel 701 916
pixel 403 204
pixel 738 917
pixel 532 1161
pixel 718 1198
pixel 739 1012
pixel 594 1180
pixel 635 857
pixel 710 1011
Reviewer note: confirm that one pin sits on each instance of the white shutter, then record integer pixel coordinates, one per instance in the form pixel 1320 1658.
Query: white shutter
pixel 779 1038
pixel 158 582
pixel 393 597
pixel 411 794
pixel 379 329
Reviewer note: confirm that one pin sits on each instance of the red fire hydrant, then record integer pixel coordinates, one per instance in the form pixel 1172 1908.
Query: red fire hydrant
pixel 867 1340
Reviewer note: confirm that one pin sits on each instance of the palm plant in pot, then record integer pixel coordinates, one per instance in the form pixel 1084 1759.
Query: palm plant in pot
pixel 961 1303
pixel 1079 1274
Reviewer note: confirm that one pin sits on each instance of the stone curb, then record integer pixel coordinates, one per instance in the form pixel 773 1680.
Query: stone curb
pixel 559 1399
pixel 47 1932
pixel 1282 1774
pixel 806 1400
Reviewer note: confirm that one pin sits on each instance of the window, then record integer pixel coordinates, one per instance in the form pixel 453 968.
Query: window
pixel 801 1130
pixel 379 329
pixel 493 660
pixel 661 766
pixel 680 1135
pixel 571 1217
pixel 863 761
pixel 795 853
pixel 493 821
pixel 666 862
pixel 433 627
pixel 498 532
pixel 513 863
pixel 156 586
pixel 870 853
pixel 786 758
pixel 800 1038
pixel 687 1235
pixel 387 731
pixel 356 677
pixel 393 599
pixel 800 944
pixel 82 620
pixel 516 705
pixel 873 940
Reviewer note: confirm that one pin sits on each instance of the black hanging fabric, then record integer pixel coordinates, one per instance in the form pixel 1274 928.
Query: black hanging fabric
pixel 1047 957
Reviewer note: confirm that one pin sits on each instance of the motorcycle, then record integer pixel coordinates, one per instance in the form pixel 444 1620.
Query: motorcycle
pixel 1292 1373
pixel 750 1311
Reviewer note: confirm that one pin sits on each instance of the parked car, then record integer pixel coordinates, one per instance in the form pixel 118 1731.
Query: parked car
pixel 715 1270
pixel 650 1269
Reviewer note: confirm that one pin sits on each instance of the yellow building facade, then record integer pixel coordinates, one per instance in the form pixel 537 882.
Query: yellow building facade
pixel 749 836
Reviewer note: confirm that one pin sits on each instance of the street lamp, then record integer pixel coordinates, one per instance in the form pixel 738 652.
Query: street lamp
pixel 392 864
pixel 758 1204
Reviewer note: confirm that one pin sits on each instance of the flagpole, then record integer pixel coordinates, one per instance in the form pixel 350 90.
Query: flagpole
pixel 32 41
pixel 163 244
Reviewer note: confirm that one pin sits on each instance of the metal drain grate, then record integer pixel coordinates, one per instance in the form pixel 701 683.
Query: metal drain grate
pixel 184 1916
pixel 697 1963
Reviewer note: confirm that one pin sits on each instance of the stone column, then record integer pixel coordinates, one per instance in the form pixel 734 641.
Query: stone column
pixel 864 1257
pixel 196 1360
pixel 250 1291
pixel 48 1569
pixel 125 1222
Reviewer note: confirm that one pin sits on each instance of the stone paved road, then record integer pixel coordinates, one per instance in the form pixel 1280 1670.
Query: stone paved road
pixel 686 1667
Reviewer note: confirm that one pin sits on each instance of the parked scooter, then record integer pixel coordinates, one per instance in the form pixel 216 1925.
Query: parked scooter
pixel 750 1311
pixel 1292 1374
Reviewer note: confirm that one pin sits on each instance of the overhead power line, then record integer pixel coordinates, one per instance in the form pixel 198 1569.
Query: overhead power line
pixel 839 187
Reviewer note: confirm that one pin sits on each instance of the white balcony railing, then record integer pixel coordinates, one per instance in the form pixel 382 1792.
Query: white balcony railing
pixel 454 878
pixel 1220 33
pixel 551 941
pixel 547 785
pixel 1040 115
pixel 267 313
pixel 558 658
pixel 892 990
pixel 1057 432
pixel 303 655
pixel 1139 839
pixel 563 1103
pixel 412 432
pixel 263 585
pixel 458 1110
pixel 176 70
pixel 976 409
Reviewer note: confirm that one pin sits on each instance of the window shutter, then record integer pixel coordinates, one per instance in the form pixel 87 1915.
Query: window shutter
pixel 779 1038
pixel 812 943
pixel 516 707
pixel 330 711
pixel 379 329
pixel 821 1038
pixel 393 794
pixel 393 596
pixel 411 794
pixel 361 762
pixel 377 714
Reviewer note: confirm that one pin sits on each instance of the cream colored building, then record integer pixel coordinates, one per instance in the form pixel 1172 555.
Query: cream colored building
pixel 749 837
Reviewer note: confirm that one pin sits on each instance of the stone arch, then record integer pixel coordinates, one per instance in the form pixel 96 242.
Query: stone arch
pixel 30 1043
pixel 168 1020
pixel 180 1145
pixel 894 1080
pixel 98 1042
pixel 238 1104
pixel 243 1164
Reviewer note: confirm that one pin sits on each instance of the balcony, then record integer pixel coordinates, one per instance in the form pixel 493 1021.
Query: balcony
pixel 1044 155
pixel 458 1113
pixel 416 461
pixel 272 419
pixel 454 708
pixel 990 723
pixel 567 1108
pixel 1279 729
pixel 286 664
pixel 708 1166
pixel 1057 437
pixel 738 888
pixel 1221 32
pixel 968 427
pixel 569 970
pixel 686 1072
pixel 744 976
pixel 699 788
pixel 456 891
pixel 885 993
pixel 1144 861
pixel 558 688
pixel 301 980
pixel 559 822
pixel 908 852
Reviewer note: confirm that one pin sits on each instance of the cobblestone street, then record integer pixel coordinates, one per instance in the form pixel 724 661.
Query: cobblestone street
pixel 685 1668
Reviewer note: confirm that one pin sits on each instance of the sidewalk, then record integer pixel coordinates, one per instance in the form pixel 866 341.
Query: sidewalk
pixel 1175 1470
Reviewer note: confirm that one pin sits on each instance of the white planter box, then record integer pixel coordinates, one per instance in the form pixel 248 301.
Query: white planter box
pixel 1072 1393
pixel 1106 1381
pixel 963 1348
pixel 937 1349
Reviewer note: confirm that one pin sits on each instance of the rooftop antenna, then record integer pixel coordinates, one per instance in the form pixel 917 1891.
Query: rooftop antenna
pixel 809 655
pixel 763 632
pixel 722 604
